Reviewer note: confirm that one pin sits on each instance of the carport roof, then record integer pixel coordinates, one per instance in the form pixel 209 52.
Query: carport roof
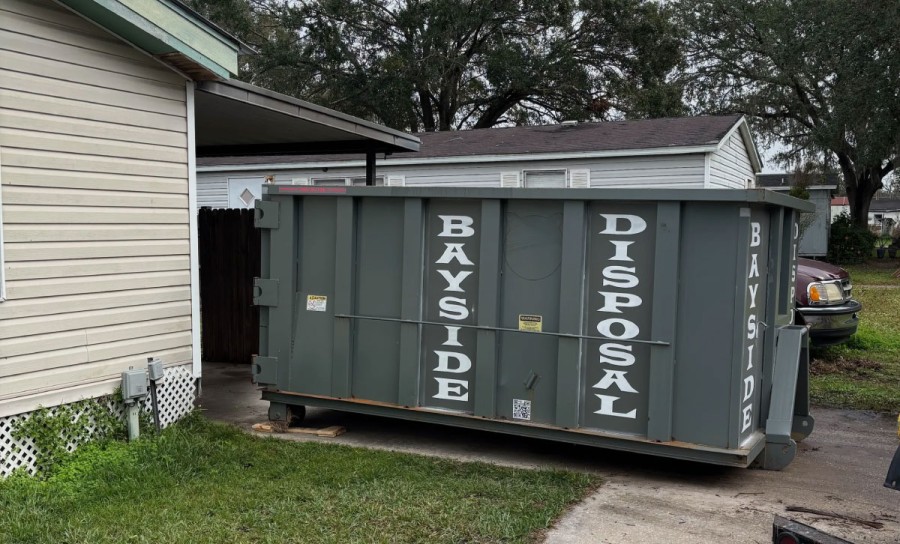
pixel 235 118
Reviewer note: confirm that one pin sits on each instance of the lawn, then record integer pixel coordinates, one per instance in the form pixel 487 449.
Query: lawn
pixel 205 482
pixel 864 373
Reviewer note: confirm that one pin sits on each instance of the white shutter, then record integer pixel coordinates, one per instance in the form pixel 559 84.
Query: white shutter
pixel 299 181
pixel 580 179
pixel 395 181
pixel 510 179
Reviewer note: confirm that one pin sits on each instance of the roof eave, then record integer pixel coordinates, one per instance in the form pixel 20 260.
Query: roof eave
pixel 468 159
pixel 165 28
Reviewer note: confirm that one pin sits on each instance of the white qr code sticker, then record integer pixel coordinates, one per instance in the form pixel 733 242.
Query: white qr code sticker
pixel 522 409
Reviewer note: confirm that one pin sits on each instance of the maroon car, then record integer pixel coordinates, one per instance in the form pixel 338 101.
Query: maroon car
pixel 824 302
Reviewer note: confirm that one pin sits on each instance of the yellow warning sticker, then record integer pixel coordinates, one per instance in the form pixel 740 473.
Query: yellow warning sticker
pixel 530 323
pixel 316 303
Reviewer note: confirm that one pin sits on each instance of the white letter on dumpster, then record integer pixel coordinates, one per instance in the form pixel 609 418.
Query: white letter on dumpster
pixel 616 377
pixel 606 407
pixel 616 354
pixel 619 300
pixel 748 387
pixel 629 329
pixel 444 362
pixel 452 336
pixel 635 224
pixel 754 236
pixel 748 417
pixel 457 226
pixel 450 389
pixel 620 276
pixel 453 308
pixel 454 251
pixel 454 282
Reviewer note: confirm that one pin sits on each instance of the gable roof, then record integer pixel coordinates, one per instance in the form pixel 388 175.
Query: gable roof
pixel 884 205
pixel 677 135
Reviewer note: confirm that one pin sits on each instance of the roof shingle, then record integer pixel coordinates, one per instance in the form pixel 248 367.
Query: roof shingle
pixel 562 138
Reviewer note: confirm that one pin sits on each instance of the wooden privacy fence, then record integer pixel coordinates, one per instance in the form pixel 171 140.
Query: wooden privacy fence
pixel 229 260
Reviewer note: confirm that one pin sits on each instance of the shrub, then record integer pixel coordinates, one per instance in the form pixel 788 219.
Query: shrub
pixel 849 244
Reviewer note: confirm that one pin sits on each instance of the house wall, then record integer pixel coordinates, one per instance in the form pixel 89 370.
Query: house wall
pixel 816 225
pixel 664 171
pixel 729 166
pixel 94 173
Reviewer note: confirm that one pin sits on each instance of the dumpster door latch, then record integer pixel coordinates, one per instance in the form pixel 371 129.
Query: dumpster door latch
pixel 265 292
pixel 264 370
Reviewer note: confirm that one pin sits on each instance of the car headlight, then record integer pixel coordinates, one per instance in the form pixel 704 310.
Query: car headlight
pixel 824 293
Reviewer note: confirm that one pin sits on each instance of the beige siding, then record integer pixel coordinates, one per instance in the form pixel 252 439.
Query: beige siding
pixel 93 151
pixel 730 166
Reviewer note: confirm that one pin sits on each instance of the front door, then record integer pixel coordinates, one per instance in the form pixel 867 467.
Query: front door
pixel 243 192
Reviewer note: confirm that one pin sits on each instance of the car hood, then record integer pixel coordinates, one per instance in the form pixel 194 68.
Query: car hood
pixel 819 271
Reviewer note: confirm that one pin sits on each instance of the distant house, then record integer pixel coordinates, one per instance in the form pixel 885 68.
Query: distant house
pixel 689 152
pixel 884 214
pixel 839 205
pixel 104 107
pixel 814 242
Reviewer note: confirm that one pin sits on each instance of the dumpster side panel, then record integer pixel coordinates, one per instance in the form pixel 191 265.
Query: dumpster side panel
pixel 621 247
pixel 756 325
pixel 379 261
pixel 453 242
pixel 530 293
pixel 313 320
pixel 706 323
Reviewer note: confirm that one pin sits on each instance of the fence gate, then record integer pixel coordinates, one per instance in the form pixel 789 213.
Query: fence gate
pixel 229 260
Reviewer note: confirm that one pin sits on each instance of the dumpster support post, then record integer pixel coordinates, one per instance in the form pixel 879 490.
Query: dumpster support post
pixel 780 447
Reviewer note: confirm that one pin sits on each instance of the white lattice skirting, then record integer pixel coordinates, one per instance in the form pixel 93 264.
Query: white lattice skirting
pixel 175 396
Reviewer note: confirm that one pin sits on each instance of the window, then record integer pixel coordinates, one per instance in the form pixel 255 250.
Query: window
pixel 361 181
pixel 545 179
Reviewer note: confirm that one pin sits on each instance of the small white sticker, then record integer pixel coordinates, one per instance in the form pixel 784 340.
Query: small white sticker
pixel 522 409
pixel 316 303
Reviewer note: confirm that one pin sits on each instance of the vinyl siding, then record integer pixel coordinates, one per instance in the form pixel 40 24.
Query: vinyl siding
pixel 730 167
pixel 93 137
pixel 664 171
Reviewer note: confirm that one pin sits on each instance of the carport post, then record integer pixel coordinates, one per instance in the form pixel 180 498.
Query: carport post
pixel 370 168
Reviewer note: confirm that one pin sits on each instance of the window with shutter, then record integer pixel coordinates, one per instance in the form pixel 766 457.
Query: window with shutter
pixel 545 179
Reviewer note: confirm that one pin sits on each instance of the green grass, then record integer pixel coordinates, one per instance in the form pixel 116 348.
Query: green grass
pixel 864 373
pixel 874 272
pixel 204 482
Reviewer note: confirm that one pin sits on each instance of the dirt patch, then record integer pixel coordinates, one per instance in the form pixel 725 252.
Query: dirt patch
pixel 853 367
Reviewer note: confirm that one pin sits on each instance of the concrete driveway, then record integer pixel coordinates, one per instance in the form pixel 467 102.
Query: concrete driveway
pixel 840 469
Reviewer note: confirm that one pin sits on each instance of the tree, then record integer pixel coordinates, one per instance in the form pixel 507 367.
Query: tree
pixel 816 75
pixel 450 64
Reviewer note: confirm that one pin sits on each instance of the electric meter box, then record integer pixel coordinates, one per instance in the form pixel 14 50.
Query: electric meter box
pixel 134 384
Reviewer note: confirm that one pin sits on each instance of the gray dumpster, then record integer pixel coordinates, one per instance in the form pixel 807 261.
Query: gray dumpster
pixel 651 321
